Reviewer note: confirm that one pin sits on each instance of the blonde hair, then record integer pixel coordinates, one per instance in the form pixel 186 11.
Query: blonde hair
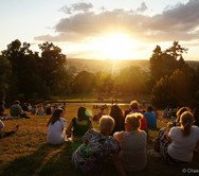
pixel 106 123
pixel 180 112
pixel 186 120
pixel 133 120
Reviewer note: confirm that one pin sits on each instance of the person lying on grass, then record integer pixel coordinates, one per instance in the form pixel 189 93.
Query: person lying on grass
pixel 90 157
pixel 183 140
pixel 56 128
pixel 79 125
pixel 7 133
pixel 133 143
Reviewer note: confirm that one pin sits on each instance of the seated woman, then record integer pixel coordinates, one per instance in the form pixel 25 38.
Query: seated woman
pixel 117 114
pixel 134 108
pixel 162 140
pixel 7 133
pixel 151 118
pixel 133 142
pixel 89 157
pixel 56 128
pixel 183 140
pixel 80 125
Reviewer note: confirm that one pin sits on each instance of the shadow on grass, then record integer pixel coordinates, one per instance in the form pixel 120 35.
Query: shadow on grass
pixel 28 165
pixel 56 161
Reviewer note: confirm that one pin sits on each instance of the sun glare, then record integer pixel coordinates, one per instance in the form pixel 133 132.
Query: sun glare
pixel 115 46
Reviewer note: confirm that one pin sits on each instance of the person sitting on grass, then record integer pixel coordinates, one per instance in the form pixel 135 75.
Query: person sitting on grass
pixel 90 157
pixel 183 140
pixel 117 114
pixel 133 143
pixel 80 125
pixel 162 140
pixel 16 110
pixel 134 108
pixel 101 112
pixel 56 128
pixel 151 118
pixel 7 133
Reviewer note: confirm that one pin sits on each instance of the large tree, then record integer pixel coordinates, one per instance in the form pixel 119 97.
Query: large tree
pixel 164 63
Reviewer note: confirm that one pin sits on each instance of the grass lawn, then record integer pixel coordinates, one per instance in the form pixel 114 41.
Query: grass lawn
pixel 27 154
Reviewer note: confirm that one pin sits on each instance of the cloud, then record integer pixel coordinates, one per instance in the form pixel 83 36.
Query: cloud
pixel 143 7
pixel 85 7
pixel 177 23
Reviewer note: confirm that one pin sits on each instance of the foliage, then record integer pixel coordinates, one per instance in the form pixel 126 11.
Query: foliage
pixel 175 82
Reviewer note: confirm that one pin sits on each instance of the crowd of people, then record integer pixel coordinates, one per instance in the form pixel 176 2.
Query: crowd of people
pixel 122 137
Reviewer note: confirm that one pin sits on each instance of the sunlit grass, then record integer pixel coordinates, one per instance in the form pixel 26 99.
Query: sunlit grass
pixel 27 153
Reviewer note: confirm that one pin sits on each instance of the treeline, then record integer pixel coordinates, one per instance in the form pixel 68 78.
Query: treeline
pixel 29 75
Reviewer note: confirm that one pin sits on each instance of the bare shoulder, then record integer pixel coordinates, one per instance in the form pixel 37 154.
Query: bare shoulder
pixel 118 135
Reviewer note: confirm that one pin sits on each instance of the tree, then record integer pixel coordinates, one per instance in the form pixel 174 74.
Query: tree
pixel 53 69
pixel 176 90
pixel 132 80
pixel 164 63
pixel 161 93
pixel 83 83
pixel 5 73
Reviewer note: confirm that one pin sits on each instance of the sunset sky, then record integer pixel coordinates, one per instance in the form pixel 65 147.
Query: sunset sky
pixel 102 29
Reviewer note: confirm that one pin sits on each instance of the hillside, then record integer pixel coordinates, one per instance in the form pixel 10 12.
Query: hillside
pixel 92 65
pixel 106 65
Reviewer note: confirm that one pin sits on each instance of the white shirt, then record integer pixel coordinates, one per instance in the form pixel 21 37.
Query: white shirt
pixel 182 147
pixel 56 132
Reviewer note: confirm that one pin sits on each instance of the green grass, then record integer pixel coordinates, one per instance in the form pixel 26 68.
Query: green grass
pixel 27 154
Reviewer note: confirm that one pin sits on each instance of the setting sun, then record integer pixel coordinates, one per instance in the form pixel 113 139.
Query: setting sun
pixel 114 46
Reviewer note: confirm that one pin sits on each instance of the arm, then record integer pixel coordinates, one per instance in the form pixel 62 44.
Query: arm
pixel 118 136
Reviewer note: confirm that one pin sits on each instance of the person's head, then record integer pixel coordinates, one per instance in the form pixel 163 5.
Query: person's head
pixel 132 121
pixel 106 125
pixel 116 112
pixel 186 120
pixel 149 109
pixel 134 105
pixel 57 114
pixel 179 113
pixel 82 114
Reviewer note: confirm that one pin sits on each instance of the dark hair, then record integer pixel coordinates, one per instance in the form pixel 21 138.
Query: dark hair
pixel 81 114
pixel 117 114
pixel 56 116
pixel 149 108
pixel 186 120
